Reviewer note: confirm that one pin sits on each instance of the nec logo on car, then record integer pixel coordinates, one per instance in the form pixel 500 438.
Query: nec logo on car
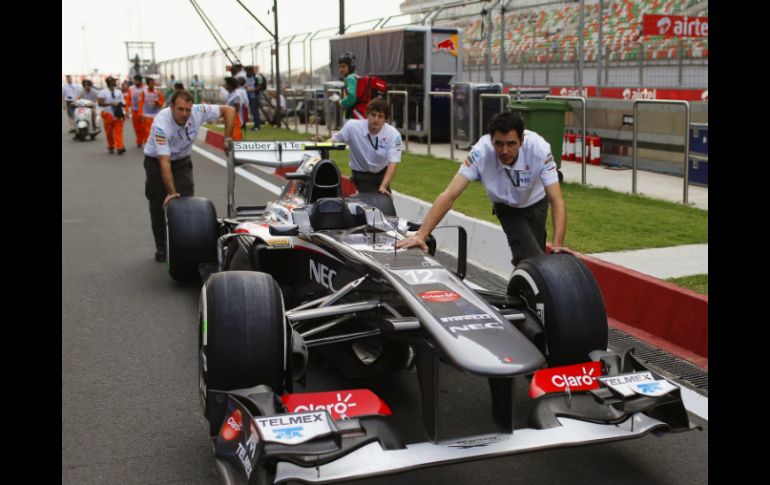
pixel 322 274
pixel 476 326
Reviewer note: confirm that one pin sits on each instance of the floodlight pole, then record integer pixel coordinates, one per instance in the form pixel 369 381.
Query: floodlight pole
pixel 277 66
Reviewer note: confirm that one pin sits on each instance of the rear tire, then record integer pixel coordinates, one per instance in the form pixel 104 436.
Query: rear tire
pixel 191 236
pixel 244 336
pixel 568 300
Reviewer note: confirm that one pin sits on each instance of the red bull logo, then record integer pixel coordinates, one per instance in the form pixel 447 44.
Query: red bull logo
pixel 446 45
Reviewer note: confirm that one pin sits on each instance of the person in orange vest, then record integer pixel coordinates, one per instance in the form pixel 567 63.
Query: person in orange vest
pixel 136 106
pixel 111 101
pixel 152 102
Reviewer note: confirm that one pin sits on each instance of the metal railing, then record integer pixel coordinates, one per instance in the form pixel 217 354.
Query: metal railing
pixel 584 147
pixel 451 120
pixel 686 105
pixel 484 96
pixel 406 114
pixel 315 108
pixel 292 94
pixel 326 106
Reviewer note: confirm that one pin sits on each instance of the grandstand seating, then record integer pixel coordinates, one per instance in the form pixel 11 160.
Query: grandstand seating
pixel 550 33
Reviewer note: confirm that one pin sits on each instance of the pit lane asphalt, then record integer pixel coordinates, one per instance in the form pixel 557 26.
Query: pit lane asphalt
pixel 130 411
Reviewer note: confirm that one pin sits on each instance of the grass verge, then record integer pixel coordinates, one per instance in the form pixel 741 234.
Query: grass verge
pixel 698 283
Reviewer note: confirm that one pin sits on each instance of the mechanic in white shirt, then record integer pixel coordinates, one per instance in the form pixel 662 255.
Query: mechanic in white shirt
pixel 375 148
pixel 520 177
pixel 167 162
pixel 70 92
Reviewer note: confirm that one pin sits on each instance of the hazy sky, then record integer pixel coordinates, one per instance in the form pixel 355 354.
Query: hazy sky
pixel 94 32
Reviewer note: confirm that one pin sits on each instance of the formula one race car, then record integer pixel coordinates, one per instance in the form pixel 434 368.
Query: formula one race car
pixel 317 272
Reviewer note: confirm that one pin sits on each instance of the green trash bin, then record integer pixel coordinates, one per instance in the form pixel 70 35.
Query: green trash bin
pixel 546 118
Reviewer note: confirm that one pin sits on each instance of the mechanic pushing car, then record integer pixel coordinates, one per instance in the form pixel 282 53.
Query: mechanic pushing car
pixel 375 148
pixel 167 162
pixel 520 177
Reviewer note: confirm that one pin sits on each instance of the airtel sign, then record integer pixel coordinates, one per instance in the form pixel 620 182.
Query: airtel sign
pixel 676 26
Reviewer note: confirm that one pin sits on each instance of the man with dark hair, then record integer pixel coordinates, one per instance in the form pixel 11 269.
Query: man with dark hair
pixel 69 93
pixel 235 100
pixel 111 102
pixel 347 66
pixel 254 84
pixel 152 102
pixel 375 148
pixel 167 162
pixel 136 107
pixel 91 95
pixel 520 177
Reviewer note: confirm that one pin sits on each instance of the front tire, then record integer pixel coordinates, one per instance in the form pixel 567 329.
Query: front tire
pixel 244 336
pixel 570 305
pixel 191 236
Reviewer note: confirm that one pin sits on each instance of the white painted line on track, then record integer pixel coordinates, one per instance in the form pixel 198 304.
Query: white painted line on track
pixel 693 402
pixel 243 173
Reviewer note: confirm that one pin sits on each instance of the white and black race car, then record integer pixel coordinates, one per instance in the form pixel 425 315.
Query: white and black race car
pixel 317 272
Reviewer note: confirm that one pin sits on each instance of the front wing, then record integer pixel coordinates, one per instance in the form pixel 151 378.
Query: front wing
pixel 372 459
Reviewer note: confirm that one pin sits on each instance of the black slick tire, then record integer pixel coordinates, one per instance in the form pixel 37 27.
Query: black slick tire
pixel 191 236
pixel 569 302
pixel 244 336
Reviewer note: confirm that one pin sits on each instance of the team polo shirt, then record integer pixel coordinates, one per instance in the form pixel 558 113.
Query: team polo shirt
pixel 370 153
pixel 168 138
pixel 532 171
pixel 70 91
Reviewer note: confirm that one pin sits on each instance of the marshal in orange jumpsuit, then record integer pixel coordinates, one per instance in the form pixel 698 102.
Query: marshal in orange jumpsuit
pixel 152 102
pixel 135 102
pixel 110 98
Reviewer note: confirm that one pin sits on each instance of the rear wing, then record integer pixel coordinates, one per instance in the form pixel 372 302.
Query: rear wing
pixel 272 154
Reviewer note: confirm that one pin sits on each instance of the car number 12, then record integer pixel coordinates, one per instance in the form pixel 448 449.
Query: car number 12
pixel 419 277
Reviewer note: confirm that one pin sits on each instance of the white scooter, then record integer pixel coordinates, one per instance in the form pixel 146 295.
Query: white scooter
pixel 87 123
